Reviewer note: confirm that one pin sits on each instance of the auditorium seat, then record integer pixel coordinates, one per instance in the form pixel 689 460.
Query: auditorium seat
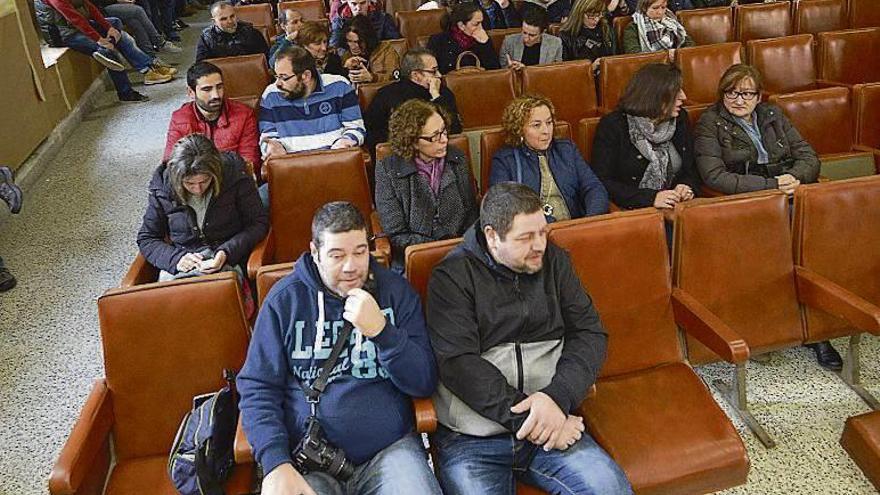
pixel 312 10
pixel 268 275
pixel 162 345
pixel 702 68
pixel 837 257
pixel 814 113
pixel 615 73
pixel 763 20
pixel 864 13
pixel 417 23
pixel 299 184
pixel 586 133
pixel 399 46
pixel 366 93
pixel 460 141
pixel 708 26
pixel 481 96
pixel 651 412
pixel 695 111
pixel 816 16
pixel 619 25
pixel 394 6
pixel 569 85
pixel 244 77
pixel 867 107
pixel 786 64
pixel 493 139
pixel 260 15
pixel 496 36
pixel 714 261
pixel 849 57
pixel 861 440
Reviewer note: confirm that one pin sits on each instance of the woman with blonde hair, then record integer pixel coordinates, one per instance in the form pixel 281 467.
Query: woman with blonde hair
pixel 654 28
pixel 424 189
pixel 553 168
pixel 587 33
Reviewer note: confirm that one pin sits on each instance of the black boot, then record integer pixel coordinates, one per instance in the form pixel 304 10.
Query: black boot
pixel 827 356
pixel 7 281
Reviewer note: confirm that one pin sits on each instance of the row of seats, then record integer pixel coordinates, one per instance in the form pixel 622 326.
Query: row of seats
pixel 261 16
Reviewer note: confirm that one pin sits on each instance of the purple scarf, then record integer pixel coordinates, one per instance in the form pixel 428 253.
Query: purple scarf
pixel 432 171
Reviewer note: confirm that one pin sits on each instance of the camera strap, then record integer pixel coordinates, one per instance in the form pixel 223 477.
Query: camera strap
pixel 313 393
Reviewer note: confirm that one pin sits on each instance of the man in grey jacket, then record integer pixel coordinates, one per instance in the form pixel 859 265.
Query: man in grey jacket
pixel 533 46
pixel 518 344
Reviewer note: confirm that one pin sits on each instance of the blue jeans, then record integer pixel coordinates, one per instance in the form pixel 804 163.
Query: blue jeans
pixel 399 469
pixel 470 465
pixel 126 46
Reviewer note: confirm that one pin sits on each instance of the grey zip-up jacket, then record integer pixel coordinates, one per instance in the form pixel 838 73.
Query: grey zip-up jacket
pixel 500 336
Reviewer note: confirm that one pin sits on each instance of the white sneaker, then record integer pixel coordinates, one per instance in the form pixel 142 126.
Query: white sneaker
pixel 108 61
pixel 171 47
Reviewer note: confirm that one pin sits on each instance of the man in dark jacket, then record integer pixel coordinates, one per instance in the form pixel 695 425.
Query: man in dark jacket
pixel 419 79
pixel 229 37
pixel 500 14
pixel 382 23
pixel 365 410
pixel 518 344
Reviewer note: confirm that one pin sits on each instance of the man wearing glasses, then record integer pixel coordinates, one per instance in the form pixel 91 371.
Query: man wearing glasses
pixel 419 79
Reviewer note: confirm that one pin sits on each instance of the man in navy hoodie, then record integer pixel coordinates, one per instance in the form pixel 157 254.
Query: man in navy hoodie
pixel 365 410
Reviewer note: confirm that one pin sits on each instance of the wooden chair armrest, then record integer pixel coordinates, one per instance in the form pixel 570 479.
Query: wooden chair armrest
pixel 243 452
pixel 698 321
pixel 818 292
pixel 84 462
pixel 261 255
pixel 140 272
pixel 426 416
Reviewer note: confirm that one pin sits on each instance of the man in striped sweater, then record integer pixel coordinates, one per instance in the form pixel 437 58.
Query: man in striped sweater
pixel 306 111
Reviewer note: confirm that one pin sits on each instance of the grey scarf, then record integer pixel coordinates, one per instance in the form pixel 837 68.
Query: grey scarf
pixel 653 142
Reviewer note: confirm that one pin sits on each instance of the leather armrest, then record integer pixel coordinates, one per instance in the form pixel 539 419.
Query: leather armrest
pixel 818 292
pixel 244 454
pixel 140 272
pixel 426 416
pixel 698 321
pixel 381 244
pixel 261 255
pixel 86 454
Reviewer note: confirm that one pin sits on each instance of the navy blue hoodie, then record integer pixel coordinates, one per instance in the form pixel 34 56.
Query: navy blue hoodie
pixel 366 405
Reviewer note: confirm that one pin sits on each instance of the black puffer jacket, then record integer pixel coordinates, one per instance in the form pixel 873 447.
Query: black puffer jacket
pixel 447 50
pixel 215 42
pixel 234 223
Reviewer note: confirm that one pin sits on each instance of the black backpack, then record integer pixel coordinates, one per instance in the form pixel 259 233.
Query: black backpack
pixel 202 456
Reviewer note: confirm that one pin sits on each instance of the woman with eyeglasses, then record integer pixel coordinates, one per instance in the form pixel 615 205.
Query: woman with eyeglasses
pixel 587 33
pixel 424 189
pixel 366 59
pixel 743 145
pixel 553 168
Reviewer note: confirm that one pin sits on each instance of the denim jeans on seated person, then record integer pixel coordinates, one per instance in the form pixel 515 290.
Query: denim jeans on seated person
pixel 468 465
pixel 126 46
pixel 399 469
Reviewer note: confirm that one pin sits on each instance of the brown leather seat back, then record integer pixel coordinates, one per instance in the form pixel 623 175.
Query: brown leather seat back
pixel 864 13
pixel 694 112
pixel 301 183
pixel 586 133
pixel 417 23
pixel 623 263
pixel 850 56
pixel 708 26
pixel 497 36
pixel 615 73
pixel 816 16
pixel 786 64
pixel 493 139
pixel 482 96
pixel 837 235
pixel 702 68
pixel 258 14
pixel 312 10
pixel 366 93
pixel 394 6
pixel 867 107
pixel 420 260
pixel 399 46
pixel 569 85
pixel 620 24
pixel 763 20
pixel 733 254
pixel 814 113
pixel 164 344
pixel 268 275
pixel 460 141
pixel 245 76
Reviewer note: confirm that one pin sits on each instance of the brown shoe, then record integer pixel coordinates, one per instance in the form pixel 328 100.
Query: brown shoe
pixel 164 69
pixel 153 76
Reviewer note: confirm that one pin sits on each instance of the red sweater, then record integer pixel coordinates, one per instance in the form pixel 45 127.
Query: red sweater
pixel 235 130
pixel 76 19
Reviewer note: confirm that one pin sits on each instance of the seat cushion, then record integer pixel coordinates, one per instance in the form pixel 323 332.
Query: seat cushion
pixel 861 439
pixel 667 433
pixel 149 476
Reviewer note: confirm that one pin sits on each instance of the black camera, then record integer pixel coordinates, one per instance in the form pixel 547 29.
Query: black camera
pixel 315 453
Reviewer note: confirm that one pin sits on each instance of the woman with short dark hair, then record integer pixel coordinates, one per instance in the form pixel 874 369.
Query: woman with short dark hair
pixel 464 33
pixel 643 151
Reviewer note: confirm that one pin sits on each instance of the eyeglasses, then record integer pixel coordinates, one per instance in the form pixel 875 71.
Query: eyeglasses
pixel 436 137
pixel 732 95
pixel 434 72
pixel 284 78
pixel 589 15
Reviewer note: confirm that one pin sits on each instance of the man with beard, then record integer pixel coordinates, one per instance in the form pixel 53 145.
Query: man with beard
pixel 518 344
pixel 305 110
pixel 231 125
pixel 229 37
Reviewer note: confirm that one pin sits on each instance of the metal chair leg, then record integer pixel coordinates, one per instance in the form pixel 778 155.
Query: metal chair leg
pixel 850 372
pixel 736 396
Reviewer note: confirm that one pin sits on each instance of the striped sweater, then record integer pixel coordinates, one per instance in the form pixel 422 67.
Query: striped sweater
pixel 315 122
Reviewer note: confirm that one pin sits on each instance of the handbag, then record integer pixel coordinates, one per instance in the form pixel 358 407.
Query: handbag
pixel 468 69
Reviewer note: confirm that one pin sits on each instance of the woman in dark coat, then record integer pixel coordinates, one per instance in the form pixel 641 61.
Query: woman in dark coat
pixel 424 190
pixel 587 33
pixel 643 151
pixel 203 214
pixel 464 33
pixel 553 168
